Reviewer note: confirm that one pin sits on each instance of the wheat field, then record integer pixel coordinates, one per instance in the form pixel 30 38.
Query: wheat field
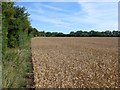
pixel 75 62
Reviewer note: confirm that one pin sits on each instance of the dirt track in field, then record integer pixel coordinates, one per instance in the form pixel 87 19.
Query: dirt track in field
pixel 75 62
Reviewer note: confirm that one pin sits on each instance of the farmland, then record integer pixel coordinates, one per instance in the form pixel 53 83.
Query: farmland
pixel 75 62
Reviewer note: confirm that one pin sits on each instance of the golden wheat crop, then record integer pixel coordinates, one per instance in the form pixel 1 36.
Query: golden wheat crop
pixel 84 62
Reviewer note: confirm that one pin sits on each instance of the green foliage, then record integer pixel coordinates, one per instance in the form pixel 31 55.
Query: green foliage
pixel 14 69
pixel 42 33
pixel 26 67
pixel 81 33
pixel 16 26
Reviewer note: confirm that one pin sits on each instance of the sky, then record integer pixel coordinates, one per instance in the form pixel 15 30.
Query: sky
pixel 72 16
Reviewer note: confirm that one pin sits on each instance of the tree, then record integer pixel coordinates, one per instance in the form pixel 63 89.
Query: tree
pixel 16 25
pixel 78 33
pixel 72 33
pixel 42 33
pixel 48 34
pixel 7 16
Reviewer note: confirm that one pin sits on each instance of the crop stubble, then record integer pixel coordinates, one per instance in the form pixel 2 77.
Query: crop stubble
pixel 72 62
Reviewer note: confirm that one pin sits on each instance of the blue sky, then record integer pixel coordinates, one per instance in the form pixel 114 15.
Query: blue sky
pixel 72 16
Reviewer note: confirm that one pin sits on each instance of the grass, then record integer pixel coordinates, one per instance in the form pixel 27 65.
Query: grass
pixel 0 60
pixel 15 67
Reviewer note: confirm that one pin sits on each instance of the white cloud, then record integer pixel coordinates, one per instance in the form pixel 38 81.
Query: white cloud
pixel 64 0
pixel 104 15
pixel 98 0
pixel 54 8
pixel 52 21
pixel 100 15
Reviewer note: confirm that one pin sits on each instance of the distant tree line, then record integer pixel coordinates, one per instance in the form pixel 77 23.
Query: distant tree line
pixel 80 33
pixel 16 28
